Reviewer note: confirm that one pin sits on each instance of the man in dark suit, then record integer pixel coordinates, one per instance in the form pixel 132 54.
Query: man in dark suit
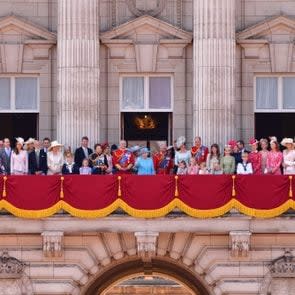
pixel 82 152
pixel 43 156
pixel 5 155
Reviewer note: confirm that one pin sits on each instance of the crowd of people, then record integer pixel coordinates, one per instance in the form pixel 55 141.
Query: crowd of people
pixel 51 158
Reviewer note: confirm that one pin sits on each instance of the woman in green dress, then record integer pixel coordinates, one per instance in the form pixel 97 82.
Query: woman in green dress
pixel 227 162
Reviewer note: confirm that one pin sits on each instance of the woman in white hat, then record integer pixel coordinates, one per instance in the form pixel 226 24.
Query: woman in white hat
pixel 182 153
pixel 55 159
pixel 288 156
pixel 19 158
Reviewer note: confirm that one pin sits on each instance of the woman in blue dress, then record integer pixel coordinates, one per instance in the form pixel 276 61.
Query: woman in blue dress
pixel 144 164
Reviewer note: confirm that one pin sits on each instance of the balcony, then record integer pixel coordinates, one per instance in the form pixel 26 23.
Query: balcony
pixel 147 196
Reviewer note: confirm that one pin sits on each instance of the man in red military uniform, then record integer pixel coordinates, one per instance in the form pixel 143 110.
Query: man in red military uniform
pixel 199 151
pixel 123 159
pixel 163 162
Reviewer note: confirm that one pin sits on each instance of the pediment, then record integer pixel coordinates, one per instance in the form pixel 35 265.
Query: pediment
pixel 279 28
pixel 148 30
pixel 15 28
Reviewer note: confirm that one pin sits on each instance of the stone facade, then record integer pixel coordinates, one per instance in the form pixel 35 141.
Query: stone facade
pixel 79 76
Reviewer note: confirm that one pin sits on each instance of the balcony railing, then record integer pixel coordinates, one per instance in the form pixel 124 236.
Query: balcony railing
pixel 203 196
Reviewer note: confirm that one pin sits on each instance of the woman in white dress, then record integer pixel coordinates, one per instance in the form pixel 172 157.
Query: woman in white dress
pixel 288 156
pixel 19 163
pixel 213 160
pixel 55 159
pixel 182 153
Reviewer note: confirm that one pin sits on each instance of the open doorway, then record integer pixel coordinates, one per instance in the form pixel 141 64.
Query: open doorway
pixel 275 124
pixel 146 128
pixel 18 124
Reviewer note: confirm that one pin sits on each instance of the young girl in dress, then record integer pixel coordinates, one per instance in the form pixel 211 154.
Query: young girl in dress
pixel 193 168
pixel 85 169
pixel 203 169
pixel 182 168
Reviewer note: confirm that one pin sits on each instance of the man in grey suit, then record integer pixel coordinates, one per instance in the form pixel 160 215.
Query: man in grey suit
pixel 5 155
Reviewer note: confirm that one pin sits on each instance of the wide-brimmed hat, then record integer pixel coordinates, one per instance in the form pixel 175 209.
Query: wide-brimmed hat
pixel 135 149
pixel 20 140
pixel 253 141
pixel 180 141
pixel 54 143
pixel 144 151
pixel 30 141
pixel 287 141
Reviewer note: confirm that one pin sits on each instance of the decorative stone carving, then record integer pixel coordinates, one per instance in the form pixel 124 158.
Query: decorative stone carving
pixel 10 267
pixel 142 7
pixel 132 41
pixel 146 244
pixel 284 266
pixel 16 35
pixel 240 243
pixel 52 243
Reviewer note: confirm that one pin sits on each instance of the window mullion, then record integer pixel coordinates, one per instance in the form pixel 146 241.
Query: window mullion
pixel 280 93
pixel 12 96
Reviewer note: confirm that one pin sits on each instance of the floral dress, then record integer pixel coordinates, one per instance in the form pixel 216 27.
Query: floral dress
pixel 274 162
pixel 255 159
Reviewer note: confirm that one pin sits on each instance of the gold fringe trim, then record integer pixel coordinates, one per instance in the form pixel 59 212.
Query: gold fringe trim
pixel 176 187
pixel 291 186
pixel 61 194
pixel 119 187
pixel 34 214
pixel 4 193
pixel 234 186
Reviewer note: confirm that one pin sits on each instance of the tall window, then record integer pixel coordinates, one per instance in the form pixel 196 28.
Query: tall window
pixel 19 94
pixel 146 93
pixel 275 94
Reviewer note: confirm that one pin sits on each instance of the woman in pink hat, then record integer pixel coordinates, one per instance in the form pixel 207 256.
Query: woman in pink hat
pixel 274 159
pixel 255 157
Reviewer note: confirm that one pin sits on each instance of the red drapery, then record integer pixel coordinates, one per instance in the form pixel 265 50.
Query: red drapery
pixel 201 196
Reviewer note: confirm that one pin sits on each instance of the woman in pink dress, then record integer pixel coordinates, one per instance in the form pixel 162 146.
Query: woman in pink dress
pixel 264 152
pixel 274 159
pixel 255 157
pixel 19 159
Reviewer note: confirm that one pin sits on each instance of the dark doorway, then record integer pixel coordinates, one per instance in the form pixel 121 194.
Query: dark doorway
pixel 275 124
pixel 146 127
pixel 14 125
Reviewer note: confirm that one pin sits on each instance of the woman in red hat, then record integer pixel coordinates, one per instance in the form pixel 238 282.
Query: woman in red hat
pixel 255 157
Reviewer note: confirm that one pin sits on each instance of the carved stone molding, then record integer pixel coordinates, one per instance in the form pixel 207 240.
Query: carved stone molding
pixel 52 243
pixel 240 243
pixel 153 10
pixel 10 267
pixel 284 266
pixel 146 244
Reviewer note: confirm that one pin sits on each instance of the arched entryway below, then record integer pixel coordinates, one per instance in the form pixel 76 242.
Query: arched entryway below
pixel 122 270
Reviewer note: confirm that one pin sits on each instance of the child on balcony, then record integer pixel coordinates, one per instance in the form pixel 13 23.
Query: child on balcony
pixel 203 169
pixel 182 168
pixel 193 168
pixel 69 167
pixel 85 169
pixel 245 167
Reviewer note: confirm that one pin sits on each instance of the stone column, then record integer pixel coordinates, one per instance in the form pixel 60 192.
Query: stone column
pixel 78 71
pixel 214 65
